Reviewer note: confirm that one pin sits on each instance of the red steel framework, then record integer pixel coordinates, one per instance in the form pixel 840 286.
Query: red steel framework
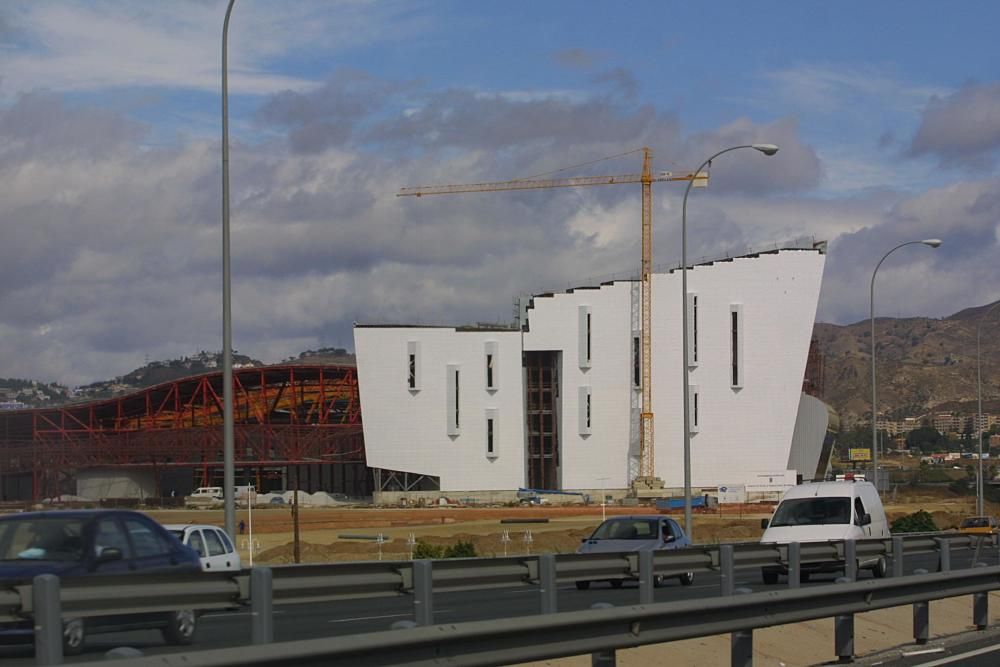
pixel 284 415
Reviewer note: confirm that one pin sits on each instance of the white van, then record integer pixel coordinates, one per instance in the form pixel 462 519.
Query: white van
pixel 826 511
pixel 205 495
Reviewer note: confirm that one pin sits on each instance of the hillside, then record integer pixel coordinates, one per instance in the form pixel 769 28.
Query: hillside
pixel 922 364
pixel 35 394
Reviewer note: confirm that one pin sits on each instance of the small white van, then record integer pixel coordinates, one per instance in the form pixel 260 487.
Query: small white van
pixel 826 511
pixel 205 495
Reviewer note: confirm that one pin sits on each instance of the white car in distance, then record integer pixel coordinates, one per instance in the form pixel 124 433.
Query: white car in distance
pixel 212 544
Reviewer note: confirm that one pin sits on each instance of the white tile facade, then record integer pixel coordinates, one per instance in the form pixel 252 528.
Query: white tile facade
pixel 743 432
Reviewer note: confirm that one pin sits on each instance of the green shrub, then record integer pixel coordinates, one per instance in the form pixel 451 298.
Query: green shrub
pixel 424 550
pixel 461 550
pixel 918 522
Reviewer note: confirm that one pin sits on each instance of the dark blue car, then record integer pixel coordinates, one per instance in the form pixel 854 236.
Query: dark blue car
pixel 78 543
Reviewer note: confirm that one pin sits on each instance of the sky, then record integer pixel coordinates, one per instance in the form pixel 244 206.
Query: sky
pixel 887 115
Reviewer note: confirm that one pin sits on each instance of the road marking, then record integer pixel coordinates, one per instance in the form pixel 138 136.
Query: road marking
pixel 375 618
pixel 225 614
pixel 961 656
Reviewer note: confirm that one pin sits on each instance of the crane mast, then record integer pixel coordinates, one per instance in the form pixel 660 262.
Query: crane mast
pixel 647 469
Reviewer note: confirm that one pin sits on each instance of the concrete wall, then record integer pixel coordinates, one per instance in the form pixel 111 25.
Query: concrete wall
pixel 97 483
pixel 407 429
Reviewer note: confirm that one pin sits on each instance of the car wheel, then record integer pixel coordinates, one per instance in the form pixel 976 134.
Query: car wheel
pixel 881 568
pixel 658 580
pixel 617 583
pixel 770 577
pixel 181 626
pixel 687 578
pixel 73 637
pixel 582 585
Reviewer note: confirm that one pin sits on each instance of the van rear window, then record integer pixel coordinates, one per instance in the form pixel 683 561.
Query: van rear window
pixel 812 512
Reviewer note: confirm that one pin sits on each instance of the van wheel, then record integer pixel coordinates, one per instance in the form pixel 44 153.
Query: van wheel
pixel 582 585
pixel 687 578
pixel 181 626
pixel 770 577
pixel 658 581
pixel 803 577
pixel 881 568
pixel 73 637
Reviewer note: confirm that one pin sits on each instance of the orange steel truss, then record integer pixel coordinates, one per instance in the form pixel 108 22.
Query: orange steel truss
pixel 284 415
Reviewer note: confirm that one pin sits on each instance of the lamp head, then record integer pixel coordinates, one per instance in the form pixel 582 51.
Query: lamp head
pixel 766 149
pixel 933 243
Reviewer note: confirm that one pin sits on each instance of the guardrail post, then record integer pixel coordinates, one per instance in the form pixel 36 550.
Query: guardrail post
pixel 850 560
pixel 646 577
pixel 423 592
pixel 261 613
pixel 794 564
pixel 741 642
pixel 547 583
pixel 980 607
pixel 843 630
pixel 897 556
pixel 603 658
pixel 48 619
pixel 727 568
pixel 921 618
pixel 944 554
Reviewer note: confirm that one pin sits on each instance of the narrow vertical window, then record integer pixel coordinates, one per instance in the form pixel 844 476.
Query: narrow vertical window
pixel 413 365
pixel 692 329
pixel 585 348
pixel 693 413
pixel 636 362
pixel 492 448
pixel 491 356
pixel 736 345
pixel 584 408
pixel 452 399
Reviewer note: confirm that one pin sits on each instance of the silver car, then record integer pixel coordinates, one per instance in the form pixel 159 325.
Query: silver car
pixel 642 532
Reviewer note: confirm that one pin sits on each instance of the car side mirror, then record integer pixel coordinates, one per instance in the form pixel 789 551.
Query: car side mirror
pixel 764 522
pixel 866 520
pixel 583 540
pixel 109 554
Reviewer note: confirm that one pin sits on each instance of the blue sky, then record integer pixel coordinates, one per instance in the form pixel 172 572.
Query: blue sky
pixel 888 116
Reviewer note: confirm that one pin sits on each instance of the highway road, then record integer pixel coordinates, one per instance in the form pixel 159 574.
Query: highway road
pixel 292 622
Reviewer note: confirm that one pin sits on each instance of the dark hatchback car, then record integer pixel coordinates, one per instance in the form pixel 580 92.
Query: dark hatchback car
pixel 78 543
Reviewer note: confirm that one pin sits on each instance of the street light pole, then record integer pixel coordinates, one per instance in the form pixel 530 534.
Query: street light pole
pixel 766 149
pixel 229 468
pixel 980 504
pixel 932 243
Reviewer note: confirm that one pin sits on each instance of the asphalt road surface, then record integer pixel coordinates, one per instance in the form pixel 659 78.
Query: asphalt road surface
pixel 293 622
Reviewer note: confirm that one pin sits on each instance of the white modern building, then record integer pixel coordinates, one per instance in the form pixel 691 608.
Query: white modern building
pixel 554 401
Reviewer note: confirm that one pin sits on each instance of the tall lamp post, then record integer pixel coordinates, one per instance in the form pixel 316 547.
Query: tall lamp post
pixel 932 243
pixel 980 510
pixel 766 149
pixel 228 465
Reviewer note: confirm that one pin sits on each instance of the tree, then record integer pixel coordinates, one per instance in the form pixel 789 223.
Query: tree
pixel 926 439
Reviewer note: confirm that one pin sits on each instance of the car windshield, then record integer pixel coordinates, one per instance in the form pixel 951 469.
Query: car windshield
pixel 34 538
pixel 812 512
pixel 626 529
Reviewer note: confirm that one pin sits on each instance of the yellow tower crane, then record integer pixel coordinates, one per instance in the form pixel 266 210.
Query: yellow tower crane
pixel 647 474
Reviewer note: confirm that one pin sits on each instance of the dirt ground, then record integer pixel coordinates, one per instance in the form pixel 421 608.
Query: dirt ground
pixel 335 534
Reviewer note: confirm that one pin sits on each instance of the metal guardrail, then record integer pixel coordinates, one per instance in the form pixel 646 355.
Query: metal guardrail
pixel 102 595
pixel 603 631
